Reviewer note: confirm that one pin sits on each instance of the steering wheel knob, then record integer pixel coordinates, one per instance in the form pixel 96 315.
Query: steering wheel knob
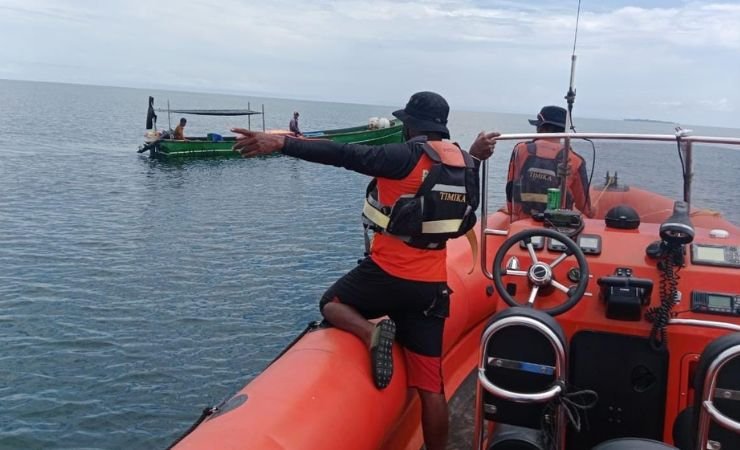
pixel 540 274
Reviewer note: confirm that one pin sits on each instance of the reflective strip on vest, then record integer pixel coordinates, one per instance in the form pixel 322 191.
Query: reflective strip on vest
pixel 441 226
pixel 536 198
pixel 449 188
pixel 375 216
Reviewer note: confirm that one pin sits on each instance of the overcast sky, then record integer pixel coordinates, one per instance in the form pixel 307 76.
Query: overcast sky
pixel 667 60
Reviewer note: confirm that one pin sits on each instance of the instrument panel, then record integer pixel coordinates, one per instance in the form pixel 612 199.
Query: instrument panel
pixel 590 244
pixel 715 255
pixel 715 303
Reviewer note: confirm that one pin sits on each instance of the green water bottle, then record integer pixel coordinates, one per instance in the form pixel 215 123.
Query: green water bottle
pixel 553 198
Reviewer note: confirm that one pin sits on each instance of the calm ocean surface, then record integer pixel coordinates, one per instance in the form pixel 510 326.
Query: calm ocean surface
pixel 133 292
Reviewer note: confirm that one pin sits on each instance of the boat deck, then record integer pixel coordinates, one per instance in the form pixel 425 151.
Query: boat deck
pixel 462 413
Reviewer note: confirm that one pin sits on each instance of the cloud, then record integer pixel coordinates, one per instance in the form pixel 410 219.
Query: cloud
pixel 493 55
pixel 720 104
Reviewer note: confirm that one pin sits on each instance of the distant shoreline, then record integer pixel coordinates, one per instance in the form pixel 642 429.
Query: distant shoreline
pixel 649 120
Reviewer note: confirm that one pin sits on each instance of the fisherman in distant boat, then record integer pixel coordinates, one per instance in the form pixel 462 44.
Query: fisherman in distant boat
pixel 179 133
pixel 151 116
pixel 293 126
pixel 405 273
pixel 536 166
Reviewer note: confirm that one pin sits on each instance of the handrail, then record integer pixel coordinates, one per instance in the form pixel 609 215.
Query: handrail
pixel 680 136
pixel 708 410
pixel 705 323
pixel 623 137
pixel 537 397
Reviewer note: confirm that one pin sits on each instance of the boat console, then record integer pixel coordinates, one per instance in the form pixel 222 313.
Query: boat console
pixel 617 331
pixel 641 309
pixel 618 297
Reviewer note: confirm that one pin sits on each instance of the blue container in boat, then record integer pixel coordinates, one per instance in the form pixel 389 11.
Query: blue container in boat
pixel 213 137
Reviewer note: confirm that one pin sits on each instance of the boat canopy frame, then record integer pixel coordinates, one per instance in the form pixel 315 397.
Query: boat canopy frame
pixel 682 137
pixel 249 112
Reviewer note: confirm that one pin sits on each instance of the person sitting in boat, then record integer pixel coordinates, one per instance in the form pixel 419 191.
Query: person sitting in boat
pixel 404 276
pixel 536 166
pixel 293 126
pixel 179 133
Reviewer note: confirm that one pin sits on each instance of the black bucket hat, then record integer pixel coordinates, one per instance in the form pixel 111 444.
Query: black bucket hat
pixel 426 111
pixel 554 115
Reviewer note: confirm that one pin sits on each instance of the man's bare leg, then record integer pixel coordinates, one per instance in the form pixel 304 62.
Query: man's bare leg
pixel 348 319
pixel 434 419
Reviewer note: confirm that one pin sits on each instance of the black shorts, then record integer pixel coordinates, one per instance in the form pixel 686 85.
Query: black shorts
pixel 419 308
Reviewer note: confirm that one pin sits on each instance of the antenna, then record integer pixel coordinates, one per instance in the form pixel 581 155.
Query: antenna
pixel 570 97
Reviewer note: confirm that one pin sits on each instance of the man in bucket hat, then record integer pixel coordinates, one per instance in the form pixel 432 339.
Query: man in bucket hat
pixel 536 166
pixel 404 276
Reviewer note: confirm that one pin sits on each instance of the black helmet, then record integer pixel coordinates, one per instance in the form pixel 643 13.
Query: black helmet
pixel 426 111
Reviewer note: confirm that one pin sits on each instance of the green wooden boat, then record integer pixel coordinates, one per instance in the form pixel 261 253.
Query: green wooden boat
pixel 215 145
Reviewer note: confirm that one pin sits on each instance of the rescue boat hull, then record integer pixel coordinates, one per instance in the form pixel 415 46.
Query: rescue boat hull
pixel 320 394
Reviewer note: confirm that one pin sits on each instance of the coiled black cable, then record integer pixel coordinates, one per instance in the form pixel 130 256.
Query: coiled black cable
pixel 660 315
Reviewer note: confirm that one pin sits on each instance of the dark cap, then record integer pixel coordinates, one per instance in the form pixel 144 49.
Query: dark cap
pixel 554 115
pixel 426 111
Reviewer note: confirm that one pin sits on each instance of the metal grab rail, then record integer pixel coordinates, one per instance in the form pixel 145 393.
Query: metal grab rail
pixel 705 323
pixel 536 397
pixel 680 136
pixel 708 410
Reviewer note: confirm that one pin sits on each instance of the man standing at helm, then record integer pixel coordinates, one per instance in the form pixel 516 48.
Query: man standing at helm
pixel 536 166
pixel 404 277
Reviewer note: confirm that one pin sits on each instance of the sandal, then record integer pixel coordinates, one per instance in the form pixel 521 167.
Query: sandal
pixel 381 352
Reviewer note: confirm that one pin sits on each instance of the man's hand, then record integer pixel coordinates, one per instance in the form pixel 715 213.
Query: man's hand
pixel 484 145
pixel 254 143
pixel 564 170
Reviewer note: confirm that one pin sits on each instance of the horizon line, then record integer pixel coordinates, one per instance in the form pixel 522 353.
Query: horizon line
pixel 278 97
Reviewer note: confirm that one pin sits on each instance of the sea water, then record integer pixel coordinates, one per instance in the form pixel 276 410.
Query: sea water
pixel 135 292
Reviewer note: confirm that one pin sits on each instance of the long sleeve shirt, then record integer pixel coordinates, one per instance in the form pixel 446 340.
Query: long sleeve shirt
pixel 390 161
pixel 394 161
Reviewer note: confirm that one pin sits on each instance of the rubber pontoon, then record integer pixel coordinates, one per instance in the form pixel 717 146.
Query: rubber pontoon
pixel 634 310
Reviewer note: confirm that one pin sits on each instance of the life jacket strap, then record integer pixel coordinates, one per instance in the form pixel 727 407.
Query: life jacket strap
pixel 473 241
pixel 381 220
pixel 441 226
pixel 375 215
pixel 534 198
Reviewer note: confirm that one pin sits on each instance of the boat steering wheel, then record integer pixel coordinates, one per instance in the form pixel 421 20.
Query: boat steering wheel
pixel 540 274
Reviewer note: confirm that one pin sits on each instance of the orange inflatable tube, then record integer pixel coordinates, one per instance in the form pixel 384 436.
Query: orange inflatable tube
pixel 320 393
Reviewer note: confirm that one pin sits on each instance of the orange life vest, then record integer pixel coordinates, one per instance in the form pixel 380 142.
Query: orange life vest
pixel 534 168
pixel 413 217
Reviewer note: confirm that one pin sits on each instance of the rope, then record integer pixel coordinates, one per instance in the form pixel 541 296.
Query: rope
pixel 203 416
pixel 601 194
pixel 572 404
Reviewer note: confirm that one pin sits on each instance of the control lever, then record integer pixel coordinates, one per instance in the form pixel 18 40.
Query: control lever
pixel 625 295
pixel 675 233
pixel 677 229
